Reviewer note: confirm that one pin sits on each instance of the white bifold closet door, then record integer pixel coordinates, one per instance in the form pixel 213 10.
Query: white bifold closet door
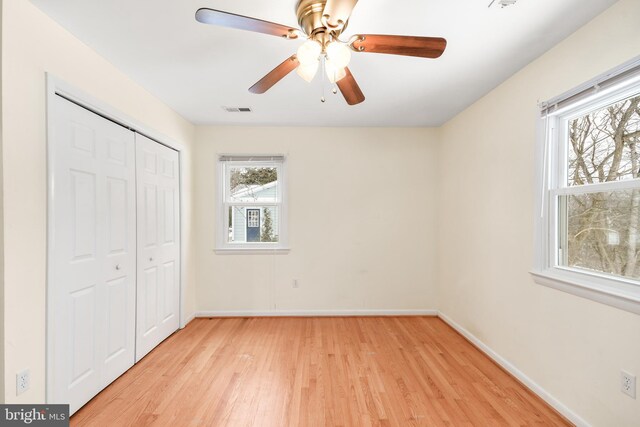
pixel 92 298
pixel 114 251
pixel 158 294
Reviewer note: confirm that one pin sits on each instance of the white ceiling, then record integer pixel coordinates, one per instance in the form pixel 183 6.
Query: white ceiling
pixel 196 68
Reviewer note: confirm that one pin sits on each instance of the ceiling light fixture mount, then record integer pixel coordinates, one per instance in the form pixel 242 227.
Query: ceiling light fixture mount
pixel 503 3
pixel 322 22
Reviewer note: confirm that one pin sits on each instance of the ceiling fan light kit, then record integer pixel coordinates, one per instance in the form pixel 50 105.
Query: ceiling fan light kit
pixel 339 54
pixel 322 22
pixel 308 71
pixel 309 52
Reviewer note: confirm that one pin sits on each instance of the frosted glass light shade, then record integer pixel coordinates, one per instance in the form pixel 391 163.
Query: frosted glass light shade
pixel 339 54
pixel 333 73
pixel 309 51
pixel 308 71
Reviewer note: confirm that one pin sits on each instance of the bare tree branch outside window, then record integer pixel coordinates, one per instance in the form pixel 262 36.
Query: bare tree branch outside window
pixel 603 229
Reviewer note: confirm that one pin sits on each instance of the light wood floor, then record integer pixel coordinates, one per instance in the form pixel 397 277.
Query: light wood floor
pixel 386 371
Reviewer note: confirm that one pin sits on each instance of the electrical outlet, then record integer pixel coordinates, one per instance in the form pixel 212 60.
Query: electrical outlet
pixel 23 381
pixel 295 283
pixel 628 383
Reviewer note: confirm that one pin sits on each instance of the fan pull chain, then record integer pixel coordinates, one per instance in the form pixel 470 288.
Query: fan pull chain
pixel 335 89
pixel 322 98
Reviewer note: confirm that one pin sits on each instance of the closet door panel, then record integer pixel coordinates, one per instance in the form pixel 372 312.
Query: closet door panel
pixel 158 299
pixel 92 291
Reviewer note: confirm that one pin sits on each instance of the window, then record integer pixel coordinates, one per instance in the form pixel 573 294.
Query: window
pixel 588 231
pixel 251 203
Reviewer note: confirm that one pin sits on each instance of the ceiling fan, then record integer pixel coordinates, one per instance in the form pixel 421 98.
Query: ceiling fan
pixel 322 23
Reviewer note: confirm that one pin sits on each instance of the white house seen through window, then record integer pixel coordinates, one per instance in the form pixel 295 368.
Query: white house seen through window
pixel 252 202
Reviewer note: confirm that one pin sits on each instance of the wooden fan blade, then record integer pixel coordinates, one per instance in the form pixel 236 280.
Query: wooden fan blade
pixel 231 20
pixel 350 89
pixel 277 74
pixel 424 47
pixel 338 10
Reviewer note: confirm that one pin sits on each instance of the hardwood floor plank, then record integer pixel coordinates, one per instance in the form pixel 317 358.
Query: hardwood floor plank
pixel 350 371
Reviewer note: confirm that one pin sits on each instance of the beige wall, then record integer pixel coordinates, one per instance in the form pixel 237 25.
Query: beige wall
pixel 572 347
pixel 361 221
pixel 33 44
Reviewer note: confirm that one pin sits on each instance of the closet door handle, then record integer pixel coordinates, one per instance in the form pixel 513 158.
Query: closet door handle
pixel 150 259
pixel 117 266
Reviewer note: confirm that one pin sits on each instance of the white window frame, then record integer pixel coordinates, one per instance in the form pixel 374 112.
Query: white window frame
pixel 223 246
pixel 551 179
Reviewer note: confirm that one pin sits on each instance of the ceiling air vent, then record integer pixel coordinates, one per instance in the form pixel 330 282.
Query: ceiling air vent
pixel 503 3
pixel 237 109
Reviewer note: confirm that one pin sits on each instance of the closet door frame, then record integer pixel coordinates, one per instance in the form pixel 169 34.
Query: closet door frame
pixel 57 87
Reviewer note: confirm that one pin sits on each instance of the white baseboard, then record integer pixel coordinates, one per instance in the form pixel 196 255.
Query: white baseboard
pixel 188 320
pixel 533 386
pixel 314 313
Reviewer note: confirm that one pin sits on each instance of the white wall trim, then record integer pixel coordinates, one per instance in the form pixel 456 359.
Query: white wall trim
pixel 313 313
pixel 188 320
pixel 600 289
pixel 524 379
pixel 59 86
pixel 252 251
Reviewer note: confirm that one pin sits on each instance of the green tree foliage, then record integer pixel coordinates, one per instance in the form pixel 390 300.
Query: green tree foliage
pixel 252 176
pixel 267 228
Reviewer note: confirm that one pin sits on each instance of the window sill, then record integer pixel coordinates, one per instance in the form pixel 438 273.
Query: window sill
pixel 616 293
pixel 252 251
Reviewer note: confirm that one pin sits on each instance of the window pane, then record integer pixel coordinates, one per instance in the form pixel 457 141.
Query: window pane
pixel 255 224
pixel 253 184
pixel 603 145
pixel 602 231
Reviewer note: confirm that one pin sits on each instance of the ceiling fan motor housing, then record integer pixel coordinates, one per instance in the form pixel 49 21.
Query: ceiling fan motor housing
pixel 309 14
